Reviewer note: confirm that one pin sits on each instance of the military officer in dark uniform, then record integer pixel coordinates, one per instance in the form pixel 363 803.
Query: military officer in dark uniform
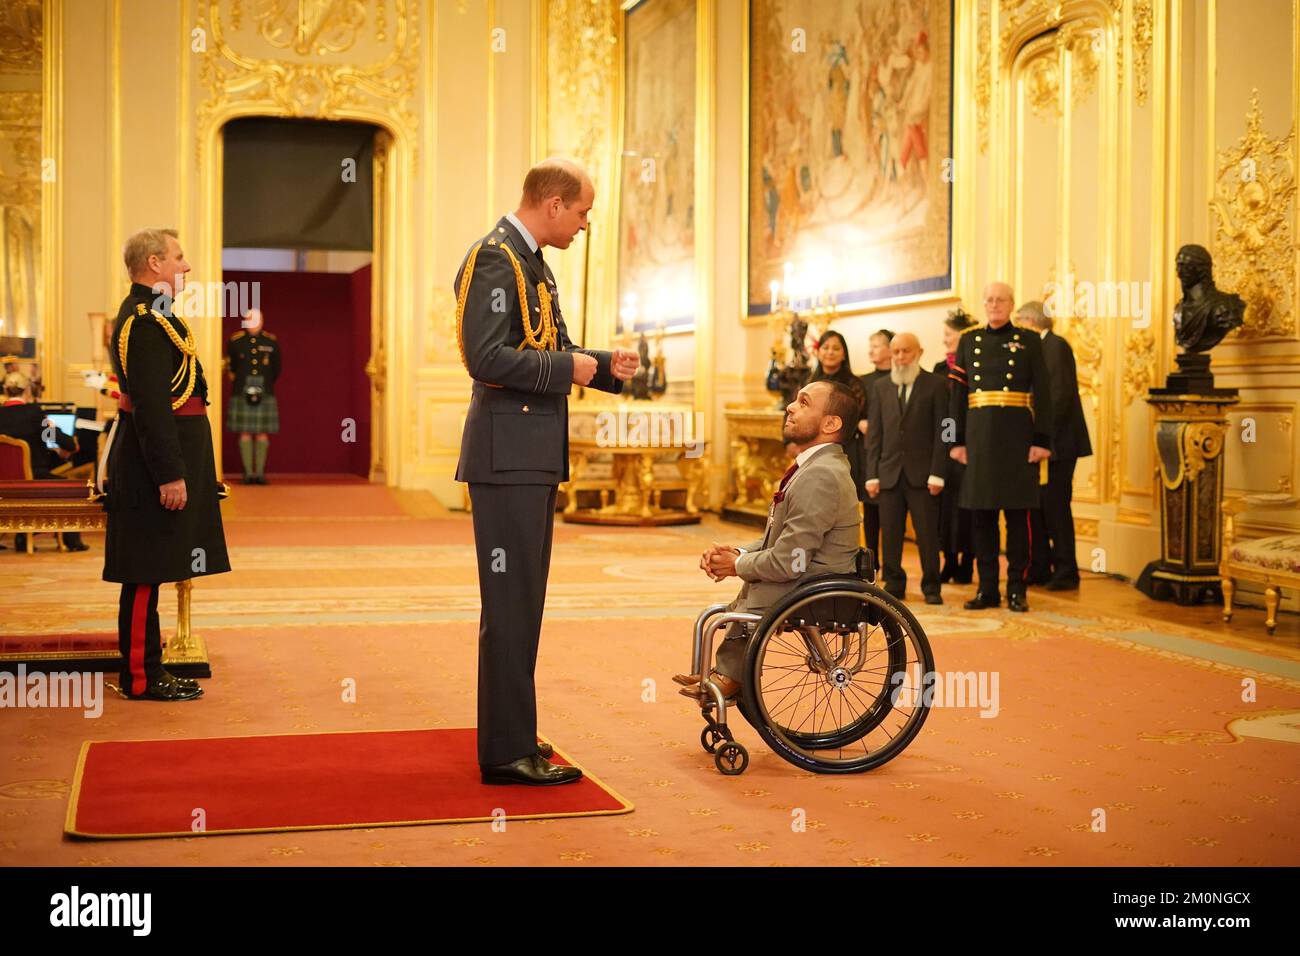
pixel 164 523
pixel 1002 408
pixel 253 364
pixel 1070 442
pixel 515 450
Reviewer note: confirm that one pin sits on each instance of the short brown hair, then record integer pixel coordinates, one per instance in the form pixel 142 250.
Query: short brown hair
pixel 552 177
pixel 142 245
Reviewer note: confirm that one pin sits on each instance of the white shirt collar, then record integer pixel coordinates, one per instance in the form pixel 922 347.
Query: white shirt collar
pixel 523 231
pixel 802 458
pixel 1043 333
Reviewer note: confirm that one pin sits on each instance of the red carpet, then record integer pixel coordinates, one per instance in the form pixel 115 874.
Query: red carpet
pixel 150 788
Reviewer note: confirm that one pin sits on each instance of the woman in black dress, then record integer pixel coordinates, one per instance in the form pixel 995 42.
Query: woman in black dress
pixel 833 364
pixel 955 536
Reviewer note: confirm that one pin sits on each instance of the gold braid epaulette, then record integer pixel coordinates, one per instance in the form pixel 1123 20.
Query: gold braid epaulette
pixel 543 338
pixel 188 348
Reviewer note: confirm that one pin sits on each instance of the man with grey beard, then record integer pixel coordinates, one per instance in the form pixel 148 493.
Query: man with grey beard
pixel 906 459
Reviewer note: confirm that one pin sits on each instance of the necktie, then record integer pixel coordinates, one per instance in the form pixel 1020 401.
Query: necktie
pixel 902 398
pixel 785 480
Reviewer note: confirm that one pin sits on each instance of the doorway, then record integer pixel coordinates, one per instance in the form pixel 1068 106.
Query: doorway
pixel 300 243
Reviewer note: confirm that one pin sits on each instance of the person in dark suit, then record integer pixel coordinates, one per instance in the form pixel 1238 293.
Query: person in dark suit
pixel 515 450
pixel 22 419
pixel 906 460
pixel 879 355
pixel 956 540
pixel 26 421
pixel 1070 442
pixel 1002 409
pixel 164 515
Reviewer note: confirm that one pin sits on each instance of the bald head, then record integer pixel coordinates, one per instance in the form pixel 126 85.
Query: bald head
pixel 905 348
pixel 998 300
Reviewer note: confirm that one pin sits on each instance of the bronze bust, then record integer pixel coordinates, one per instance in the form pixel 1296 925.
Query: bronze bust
pixel 1205 313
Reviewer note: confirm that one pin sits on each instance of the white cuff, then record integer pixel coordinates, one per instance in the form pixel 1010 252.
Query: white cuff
pixel 934 480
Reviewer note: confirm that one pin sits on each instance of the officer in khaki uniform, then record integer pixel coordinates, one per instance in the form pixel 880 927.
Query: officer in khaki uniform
pixel 164 520
pixel 515 450
pixel 1002 408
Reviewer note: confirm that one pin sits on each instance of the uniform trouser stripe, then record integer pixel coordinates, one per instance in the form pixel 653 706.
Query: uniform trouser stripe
pixel 139 636
pixel 139 620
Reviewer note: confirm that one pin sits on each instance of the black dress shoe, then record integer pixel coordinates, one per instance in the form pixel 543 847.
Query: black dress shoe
pixel 933 599
pixel 181 681
pixel 900 594
pixel 250 480
pixel 1062 584
pixel 261 480
pixel 545 751
pixel 531 771
pixel 166 688
pixel 979 602
pixel 1016 602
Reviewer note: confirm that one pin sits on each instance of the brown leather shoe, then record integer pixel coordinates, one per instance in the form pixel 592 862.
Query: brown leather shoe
pixel 686 680
pixel 730 688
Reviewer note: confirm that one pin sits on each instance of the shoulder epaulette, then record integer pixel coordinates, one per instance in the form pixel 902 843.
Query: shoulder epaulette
pixel 269 335
pixel 141 309
pixel 237 335
pixel 973 328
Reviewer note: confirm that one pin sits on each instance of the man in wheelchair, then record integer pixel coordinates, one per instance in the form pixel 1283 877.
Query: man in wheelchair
pixel 812 525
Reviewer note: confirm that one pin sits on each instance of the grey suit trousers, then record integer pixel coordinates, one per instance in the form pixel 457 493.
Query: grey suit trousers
pixel 513 525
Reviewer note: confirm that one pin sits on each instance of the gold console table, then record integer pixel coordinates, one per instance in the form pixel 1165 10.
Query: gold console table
pixel 756 461
pixel 627 457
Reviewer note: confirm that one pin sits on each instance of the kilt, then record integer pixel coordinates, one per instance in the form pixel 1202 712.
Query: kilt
pixel 262 418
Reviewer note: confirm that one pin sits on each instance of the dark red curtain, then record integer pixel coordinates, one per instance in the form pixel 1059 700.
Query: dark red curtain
pixel 322 322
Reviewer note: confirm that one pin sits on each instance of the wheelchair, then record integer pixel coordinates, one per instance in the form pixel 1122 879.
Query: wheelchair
pixel 834 676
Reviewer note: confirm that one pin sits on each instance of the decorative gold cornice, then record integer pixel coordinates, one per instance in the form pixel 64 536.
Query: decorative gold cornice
pixel 983 74
pixel 313 27
pixel 1252 206
pixel 20 36
pixel 1140 34
pixel 311 86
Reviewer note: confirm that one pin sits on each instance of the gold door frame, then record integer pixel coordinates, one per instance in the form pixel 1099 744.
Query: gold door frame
pixel 392 217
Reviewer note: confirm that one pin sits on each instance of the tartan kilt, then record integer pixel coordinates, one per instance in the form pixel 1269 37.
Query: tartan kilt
pixel 262 418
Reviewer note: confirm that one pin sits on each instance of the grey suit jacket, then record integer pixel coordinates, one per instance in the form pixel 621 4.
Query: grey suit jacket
pixel 813 530
pixel 517 428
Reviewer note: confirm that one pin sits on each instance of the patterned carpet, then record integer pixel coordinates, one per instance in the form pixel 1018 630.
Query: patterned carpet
pixel 1135 722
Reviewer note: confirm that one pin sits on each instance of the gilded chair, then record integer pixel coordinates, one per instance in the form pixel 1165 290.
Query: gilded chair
pixel 1273 561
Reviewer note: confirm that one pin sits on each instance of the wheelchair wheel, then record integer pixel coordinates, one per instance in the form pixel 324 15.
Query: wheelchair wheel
pixel 710 738
pixel 836 675
pixel 731 758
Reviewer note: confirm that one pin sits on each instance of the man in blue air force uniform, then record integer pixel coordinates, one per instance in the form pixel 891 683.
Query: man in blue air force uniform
pixel 515 450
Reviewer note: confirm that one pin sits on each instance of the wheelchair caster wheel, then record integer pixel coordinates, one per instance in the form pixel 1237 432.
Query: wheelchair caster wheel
pixel 710 738
pixel 731 758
